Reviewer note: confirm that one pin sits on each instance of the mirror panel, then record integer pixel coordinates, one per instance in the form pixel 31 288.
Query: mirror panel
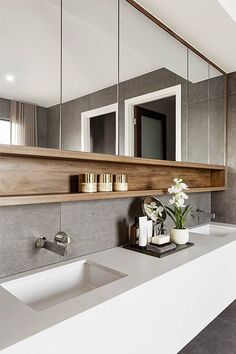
pixel 152 89
pixel 108 81
pixel 30 72
pixel 198 109
pixel 90 76
pixel 217 121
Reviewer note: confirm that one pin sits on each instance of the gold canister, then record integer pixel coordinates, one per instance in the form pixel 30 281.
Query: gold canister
pixel 105 182
pixel 88 183
pixel 120 182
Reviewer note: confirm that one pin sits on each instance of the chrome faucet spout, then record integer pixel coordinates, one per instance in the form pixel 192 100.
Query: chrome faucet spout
pixel 58 246
pixel 199 212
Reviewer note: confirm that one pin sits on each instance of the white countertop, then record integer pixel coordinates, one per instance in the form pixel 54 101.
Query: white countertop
pixel 19 321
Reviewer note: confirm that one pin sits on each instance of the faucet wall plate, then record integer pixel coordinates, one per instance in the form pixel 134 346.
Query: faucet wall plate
pixel 39 243
pixel 58 246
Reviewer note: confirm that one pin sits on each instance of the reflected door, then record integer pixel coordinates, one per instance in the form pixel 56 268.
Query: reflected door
pixel 103 134
pixel 150 134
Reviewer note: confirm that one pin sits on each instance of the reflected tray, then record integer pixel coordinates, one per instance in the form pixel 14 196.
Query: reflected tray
pixel 155 254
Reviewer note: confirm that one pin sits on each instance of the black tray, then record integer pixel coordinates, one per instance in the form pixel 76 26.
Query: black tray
pixel 159 255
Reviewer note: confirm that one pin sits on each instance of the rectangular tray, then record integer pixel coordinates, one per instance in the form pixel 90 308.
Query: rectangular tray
pixel 160 255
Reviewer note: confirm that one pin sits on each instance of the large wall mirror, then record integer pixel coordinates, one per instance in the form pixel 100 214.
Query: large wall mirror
pixel 100 76
pixel 171 101
pixel 29 72
pixel 90 75
pixel 152 89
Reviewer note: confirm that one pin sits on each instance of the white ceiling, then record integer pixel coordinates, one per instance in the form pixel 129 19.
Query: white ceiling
pixel 30 44
pixel 203 23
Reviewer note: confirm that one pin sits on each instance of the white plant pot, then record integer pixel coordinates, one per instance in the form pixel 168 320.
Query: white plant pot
pixel 179 236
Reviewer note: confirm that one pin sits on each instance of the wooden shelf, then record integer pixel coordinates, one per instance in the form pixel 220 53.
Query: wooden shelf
pixel 75 197
pixel 35 175
pixel 23 151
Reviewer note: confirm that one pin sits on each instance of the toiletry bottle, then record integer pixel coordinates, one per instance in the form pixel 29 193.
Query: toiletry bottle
pixel 162 229
pixel 105 182
pixel 143 232
pixel 149 231
pixel 134 233
pixel 88 183
pixel 120 183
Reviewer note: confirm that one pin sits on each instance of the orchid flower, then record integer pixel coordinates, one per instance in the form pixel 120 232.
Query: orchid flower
pixel 180 211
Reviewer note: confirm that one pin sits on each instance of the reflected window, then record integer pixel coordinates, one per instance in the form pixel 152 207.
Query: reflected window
pixel 5 131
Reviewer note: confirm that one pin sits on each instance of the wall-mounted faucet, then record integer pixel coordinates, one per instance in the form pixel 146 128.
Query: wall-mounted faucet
pixel 59 245
pixel 199 212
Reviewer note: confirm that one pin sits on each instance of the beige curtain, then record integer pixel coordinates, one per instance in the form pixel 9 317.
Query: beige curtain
pixel 23 118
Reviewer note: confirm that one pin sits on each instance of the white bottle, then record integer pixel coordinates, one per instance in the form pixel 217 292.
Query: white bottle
pixel 149 231
pixel 143 231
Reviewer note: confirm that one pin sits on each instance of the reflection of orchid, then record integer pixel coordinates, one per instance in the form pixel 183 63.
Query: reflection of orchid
pixel 178 215
pixel 154 211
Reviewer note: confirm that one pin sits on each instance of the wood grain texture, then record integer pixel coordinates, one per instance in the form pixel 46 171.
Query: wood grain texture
pixel 16 150
pixel 29 175
pixel 75 197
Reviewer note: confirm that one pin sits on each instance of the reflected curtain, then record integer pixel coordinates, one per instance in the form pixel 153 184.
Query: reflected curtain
pixel 23 118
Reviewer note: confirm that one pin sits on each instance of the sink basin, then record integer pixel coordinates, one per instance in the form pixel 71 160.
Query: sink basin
pixel 214 230
pixel 51 287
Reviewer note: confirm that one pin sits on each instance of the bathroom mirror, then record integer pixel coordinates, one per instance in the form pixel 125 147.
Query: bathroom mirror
pixel 100 76
pixel 206 112
pixel 171 101
pixel 198 109
pixel 154 209
pixel 152 89
pixel 30 72
pixel 217 117
pixel 90 76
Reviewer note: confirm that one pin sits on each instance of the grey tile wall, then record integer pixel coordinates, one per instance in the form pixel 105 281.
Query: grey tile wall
pixel 71 110
pixel 71 114
pixel 231 84
pixel 216 131
pixel 197 129
pixel 198 132
pixel 42 126
pixel 93 226
pixel 4 108
pixel 224 203
pixel 53 136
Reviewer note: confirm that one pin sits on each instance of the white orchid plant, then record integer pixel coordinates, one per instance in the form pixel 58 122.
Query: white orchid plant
pixel 154 211
pixel 180 211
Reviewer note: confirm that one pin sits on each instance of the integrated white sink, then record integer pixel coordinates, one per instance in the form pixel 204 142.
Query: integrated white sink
pixel 214 230
pixel 51 287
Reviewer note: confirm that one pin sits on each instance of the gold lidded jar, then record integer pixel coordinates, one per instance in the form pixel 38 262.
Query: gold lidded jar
pixel 120 183
pixel 88 183
pixel 105 182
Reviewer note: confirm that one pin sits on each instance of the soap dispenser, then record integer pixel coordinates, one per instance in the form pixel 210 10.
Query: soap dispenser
pixel 134 233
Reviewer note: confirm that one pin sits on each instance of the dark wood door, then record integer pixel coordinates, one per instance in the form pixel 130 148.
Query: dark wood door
pixel 150 134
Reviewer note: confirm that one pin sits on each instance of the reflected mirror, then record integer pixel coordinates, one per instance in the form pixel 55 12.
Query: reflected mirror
pixel 154 209
pixel 30 72
pixel 217 117
pixel 152 88
pixel 171 101
pixel 100 76
pixel 198 109
pixel 90 76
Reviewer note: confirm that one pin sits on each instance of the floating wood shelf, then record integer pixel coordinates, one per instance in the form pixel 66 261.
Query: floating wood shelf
pixel 35 175
pixel 75 197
